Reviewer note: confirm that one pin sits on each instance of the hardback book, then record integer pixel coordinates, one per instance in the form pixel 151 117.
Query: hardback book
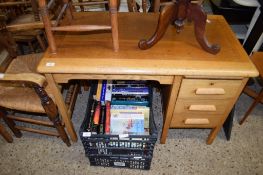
pixel 130 108
pixel 130 99
pixel 131 90
pixel 129 122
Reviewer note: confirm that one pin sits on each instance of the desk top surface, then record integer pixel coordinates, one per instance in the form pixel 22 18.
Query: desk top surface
pixel 174 54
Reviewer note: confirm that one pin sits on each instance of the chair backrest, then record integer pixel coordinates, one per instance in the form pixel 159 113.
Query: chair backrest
pixel 66 10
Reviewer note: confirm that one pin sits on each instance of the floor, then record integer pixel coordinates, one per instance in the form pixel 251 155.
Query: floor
pixel 185 151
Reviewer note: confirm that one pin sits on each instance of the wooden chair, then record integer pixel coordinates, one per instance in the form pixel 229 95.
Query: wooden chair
pixel 22 89
pixel 257 59
pixel 66 8
pixel 18 13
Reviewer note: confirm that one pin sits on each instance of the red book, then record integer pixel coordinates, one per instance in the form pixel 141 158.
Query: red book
pixel 96 118
pixel 107 123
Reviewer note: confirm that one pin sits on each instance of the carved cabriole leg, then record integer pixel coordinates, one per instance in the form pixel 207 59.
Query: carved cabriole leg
pixel 199 17
pixel 114 24
pixel 45 18
pixel 165 18
pixel 52 112
pixel 11 124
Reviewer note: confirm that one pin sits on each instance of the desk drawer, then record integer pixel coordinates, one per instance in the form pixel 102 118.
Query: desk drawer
pixel 195 107
pixel 208 89
pixel 197 121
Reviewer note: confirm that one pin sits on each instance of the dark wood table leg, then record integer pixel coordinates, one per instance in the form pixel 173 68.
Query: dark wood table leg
pixel 165 18
pixel 199 17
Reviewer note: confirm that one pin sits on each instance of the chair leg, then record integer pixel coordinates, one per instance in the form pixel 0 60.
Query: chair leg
pixel 52 113
pixel 256 101
pixel 11 124
pixel 5 134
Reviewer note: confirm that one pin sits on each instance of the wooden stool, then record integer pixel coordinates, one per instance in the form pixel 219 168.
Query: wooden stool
pixel 257 59
pixel 66 10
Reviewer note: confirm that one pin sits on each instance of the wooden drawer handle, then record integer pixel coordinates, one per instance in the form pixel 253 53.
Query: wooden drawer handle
pixel 210 91
pixel 196 121
pixel 202 108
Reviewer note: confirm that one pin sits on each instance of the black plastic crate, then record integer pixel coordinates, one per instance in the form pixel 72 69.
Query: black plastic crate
pixel 134 150
pixel 121 161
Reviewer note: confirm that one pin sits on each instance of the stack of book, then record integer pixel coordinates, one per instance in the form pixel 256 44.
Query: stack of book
pixel 120 107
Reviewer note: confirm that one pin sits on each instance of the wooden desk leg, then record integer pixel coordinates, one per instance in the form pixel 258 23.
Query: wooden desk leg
pixel 215 130
pixel 62 107
pixel 172 93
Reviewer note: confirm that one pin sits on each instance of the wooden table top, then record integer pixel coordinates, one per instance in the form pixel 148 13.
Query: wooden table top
pixel 175 54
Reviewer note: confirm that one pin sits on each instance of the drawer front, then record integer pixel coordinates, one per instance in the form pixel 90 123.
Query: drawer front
pixel 196 107
pixel 190 121
pixel 208 89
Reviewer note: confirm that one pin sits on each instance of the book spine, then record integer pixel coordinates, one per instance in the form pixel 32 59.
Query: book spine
pixel 90 124
pixel 135 103
pixel 97 114
pixel 108 91
pixel 107 123
pixel 102 120
pixel 98 93
pixel 103 92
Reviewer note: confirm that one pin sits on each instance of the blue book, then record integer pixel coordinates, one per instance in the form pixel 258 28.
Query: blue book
pixel 103 91
pixel 128 90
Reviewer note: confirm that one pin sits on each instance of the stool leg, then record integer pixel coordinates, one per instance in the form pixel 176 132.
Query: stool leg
pixel 114 24
pixel 5 134
pixel 256 101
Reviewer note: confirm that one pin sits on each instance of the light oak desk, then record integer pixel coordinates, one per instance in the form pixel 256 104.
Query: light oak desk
pixel 199 88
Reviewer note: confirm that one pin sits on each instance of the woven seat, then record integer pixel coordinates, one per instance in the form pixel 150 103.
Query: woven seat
pixel 22 98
